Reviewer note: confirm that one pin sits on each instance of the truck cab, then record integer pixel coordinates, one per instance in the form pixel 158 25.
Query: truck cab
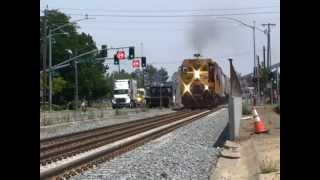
pixel 124 93
pixel 140 97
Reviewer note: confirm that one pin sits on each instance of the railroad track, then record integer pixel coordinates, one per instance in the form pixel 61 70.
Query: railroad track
pixel 68 155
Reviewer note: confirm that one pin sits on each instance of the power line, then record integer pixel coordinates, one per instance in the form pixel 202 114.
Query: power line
pixel 177 16
pixel 133 29
pixel 168 10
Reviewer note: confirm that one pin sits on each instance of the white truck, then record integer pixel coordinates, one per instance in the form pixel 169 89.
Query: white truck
pixel 124 93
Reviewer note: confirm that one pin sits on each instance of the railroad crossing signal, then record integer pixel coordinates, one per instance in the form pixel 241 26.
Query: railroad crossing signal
pixel 131 52
pixel 121 55
pixel 143 61
pixel 116 60
pixel 136 63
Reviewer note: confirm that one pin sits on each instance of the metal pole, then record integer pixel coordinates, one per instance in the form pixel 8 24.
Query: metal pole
pixel 50 71
pixel 258 74
pixel 141 65
pixel 264 56
pixel 119 68
pixel 44 65
pixel 254 58
pixel 269 49
pixel 160 96
pixel 142 77
pixel 76 85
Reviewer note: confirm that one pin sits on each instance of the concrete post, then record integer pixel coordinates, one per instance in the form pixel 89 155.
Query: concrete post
pixel 235 113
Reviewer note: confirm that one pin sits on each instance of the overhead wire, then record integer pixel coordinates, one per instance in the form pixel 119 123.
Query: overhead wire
pixel 167 10
pixel 174 16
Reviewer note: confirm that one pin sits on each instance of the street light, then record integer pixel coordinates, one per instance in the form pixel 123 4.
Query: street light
pixel 253 27
pixel 76 97
pixel 50 52
pixel 50 65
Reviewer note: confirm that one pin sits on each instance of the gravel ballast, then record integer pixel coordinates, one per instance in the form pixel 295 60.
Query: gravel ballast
pixel 186 153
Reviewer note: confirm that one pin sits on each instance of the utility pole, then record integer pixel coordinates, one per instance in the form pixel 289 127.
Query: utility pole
pixel 269 43
pixel 44 64
pixel 269 56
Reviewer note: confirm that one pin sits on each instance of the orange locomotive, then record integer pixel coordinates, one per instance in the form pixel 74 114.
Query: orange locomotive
pixel 202 84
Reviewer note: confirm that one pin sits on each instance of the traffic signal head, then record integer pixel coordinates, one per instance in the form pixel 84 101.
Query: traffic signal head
pixel 104 51
pixel 116 60
pixel 131 52
pixel 143 61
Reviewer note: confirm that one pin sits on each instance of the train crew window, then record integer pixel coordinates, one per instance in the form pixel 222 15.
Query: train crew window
pixel 184 69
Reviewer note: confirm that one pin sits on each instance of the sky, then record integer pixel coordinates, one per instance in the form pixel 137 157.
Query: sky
pixel 168 31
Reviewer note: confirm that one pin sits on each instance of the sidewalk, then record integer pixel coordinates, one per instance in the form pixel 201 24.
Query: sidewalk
pixel 259 153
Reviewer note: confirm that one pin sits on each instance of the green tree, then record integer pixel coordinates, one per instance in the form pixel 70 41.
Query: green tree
pixel 163 73
pixel 150 72
pixel 58 84
pixel 93 84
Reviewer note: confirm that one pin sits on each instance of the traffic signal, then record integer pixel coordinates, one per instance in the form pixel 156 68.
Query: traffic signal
pixel 104 51
pixel 143 61
pixel 131 52
pixel 116 60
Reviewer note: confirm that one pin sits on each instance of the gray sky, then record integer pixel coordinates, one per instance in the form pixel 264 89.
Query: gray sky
pixel 168 40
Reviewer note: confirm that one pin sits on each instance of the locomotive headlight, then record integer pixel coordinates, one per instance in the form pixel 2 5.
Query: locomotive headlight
pixel 186 88
pixel 196 74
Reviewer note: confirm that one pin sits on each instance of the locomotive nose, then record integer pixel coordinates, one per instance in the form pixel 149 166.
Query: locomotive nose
pixel 197 89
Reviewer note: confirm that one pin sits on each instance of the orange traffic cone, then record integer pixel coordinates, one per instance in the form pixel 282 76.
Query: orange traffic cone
pixel 259 125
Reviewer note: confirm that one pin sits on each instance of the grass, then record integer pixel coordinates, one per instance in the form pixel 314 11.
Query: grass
pixel 268 165
pixel 118 112
pixel 145 109
pixel 101 114
pixel 91 115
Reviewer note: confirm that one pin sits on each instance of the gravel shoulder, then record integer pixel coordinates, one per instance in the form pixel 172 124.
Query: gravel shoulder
pixel 259 153
pixel 186 153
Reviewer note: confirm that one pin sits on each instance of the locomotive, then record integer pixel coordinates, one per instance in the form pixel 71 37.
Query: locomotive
pixel 200 83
